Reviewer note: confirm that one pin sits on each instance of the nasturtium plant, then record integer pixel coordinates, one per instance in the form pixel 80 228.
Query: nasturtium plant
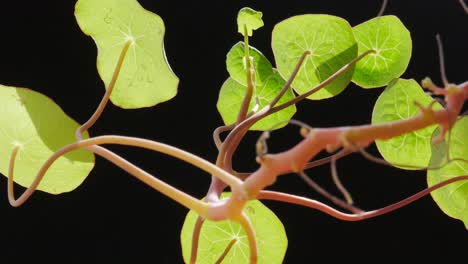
pixel 391 41
pixel 232 93
pixel 215 237
pixel 145 78
pixel 331 44
pixel 397 102
pixel 453 199
pixel 236 65
pixel 31 121
pixel 249 20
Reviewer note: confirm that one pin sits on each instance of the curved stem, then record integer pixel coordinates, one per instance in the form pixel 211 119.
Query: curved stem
pixel 322 84
pixel 235 136
pixel 250 73
pixel 328 195
pixel 299 200
pixel 217 132
pixel 92 120
pixel 382 8
pixel 244 221
pixel 174 193
pixel 196 239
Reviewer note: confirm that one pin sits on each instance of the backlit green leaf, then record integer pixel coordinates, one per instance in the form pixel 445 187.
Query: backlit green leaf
pixel 35 123
pixel 145 78
pixel 392 43
pixel 453 198
pixel 235 64
pixel 247 17
pixel 232 94
pixel 215 236
pixel 330 41
pixel 396 103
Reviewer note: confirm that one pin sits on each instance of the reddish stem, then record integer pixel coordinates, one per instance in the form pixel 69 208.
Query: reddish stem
pixel 299 200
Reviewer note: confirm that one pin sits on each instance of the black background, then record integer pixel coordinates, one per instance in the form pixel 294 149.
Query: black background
pixel 113 218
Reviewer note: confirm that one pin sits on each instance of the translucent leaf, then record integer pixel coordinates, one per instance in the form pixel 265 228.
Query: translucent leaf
pixel 232 94
pixel 145 78
pixel 392 43
pixel 330 41
pixel 235 64
pixel 396 103
pixel 35 123
pixel 453 198
pixel 215 236
pixel 250 18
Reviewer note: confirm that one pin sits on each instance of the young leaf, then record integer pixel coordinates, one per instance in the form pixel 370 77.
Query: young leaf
pixel 453 198
pixel 232 94
pixel 396 103
pixel 235 64
pixel 39 127
pixel 249 18
pixel 145 78
pixel 392 42
pixel 331 44
pixel 215 236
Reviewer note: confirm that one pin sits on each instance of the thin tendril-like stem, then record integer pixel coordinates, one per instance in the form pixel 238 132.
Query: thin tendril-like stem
pixel 370 157
pixel 382 8
pixel 299 200
pixel 440 48
pixel 338 183
pixel 319 86
pixel 226 251
pixel 462 2
pixel 250 73
pixel 244 221
pixel 196 239
pixel 235 136
pixel 174 193
pixel 338 155
pixel 179 196
pixel 105 99
pixel 294 73
pixel 328 195
pixel 217 132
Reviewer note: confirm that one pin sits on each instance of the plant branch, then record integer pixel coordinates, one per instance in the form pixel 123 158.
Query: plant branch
pixel 299 200
pixel 328 195
pixel 196 239
pixel 179 196
pixel 250 73
pixel 105 99
pixel 321 85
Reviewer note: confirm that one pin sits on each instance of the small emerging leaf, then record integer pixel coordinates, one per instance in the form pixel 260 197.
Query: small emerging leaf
pixel 331 44
pixel 215 236
pixel 235 64
pixel 453 198
pixel 145 78
pixel 249 18
pixel 232 94
pixel 39 127
pixel 392 42
pixel 396 103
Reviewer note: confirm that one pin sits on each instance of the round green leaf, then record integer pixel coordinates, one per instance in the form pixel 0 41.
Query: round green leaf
pixel 215 236
pixel 396 103
pixel 232 94
pixel 453 198
pixel 235 64
pixel 145 78
pixel 331 44
pixel 392 43
pixel 249 18
pixel 39 127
